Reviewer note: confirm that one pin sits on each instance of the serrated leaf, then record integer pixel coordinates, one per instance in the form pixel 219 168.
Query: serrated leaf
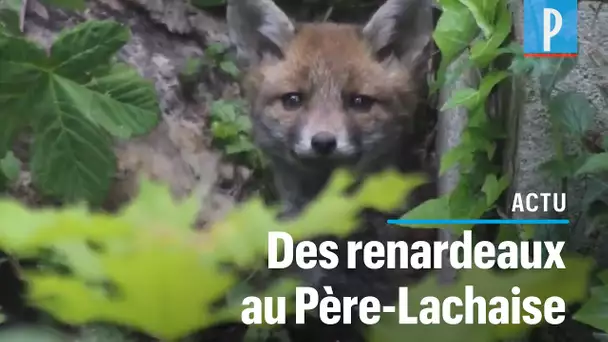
pixel 72 158
pixel 143 262
pixel 595 163
pixel 121 101
pixel 569 284
pixel 87 46
pixel 573 112
pixel 68 115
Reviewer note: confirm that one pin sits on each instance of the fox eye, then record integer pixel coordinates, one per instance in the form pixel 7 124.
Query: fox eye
pixel 292 101
pixel 361 102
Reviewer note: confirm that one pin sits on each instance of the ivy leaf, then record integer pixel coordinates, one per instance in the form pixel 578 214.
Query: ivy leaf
pixel 483 12
pixel 569 284
pixel 471 98
pixel 465 96
pixel 454 31
pixel 437 209
pixel 550 71
pixel 563 168
pixel 484 51
pixel 457 154
pixel 595 163
pixel 493 188
pixel 87 46
pixel 595 310
pixel 573 112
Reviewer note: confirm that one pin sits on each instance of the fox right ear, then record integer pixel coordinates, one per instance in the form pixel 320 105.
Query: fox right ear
pixel 258 28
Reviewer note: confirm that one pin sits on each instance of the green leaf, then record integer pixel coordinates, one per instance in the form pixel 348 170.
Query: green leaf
pixel 9 16
pixel 562 168
pixel 467 97
pixel 455 29
pixel 120 101
pixel 483 12
pixel 10 166
pixel 471 98
pixel 595 310
pixel 72 158
pixel 230 68
pixel 527 232
pixel 214 50
pixel 87 46
pixel 72 155
pixel 454 156
pixel 240 146
pixel 551 71
pixel 572 112
pixel 569 284
pixel 489 81
pixel 594 164
pixel 484 51
pixel 437 209
pixel 493 188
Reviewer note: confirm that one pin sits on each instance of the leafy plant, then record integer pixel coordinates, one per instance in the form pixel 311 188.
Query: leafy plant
pixel 231 129
pixel 129 268
pixel 74 99
pixel 478 30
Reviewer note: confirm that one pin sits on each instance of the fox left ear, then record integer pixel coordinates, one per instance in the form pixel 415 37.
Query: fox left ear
pixel 258 28
pixel 401 28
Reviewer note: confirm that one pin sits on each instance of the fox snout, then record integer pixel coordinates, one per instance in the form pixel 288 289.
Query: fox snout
pixel 313 141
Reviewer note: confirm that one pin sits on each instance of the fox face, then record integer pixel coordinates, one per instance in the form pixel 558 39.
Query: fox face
pixel 331 94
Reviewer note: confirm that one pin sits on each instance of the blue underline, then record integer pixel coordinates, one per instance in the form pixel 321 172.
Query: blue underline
pixel 479 221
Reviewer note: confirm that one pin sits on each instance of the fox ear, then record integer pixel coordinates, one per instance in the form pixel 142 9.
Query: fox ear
pixel 258 28
pixel 401 28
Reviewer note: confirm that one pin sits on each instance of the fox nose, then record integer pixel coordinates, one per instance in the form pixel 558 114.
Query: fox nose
pixel 323 143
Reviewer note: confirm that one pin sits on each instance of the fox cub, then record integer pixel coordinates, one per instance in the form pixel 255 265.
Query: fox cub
pixel 326 95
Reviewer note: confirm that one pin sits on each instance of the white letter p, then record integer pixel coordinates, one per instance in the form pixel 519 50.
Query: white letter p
pixel 547 31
